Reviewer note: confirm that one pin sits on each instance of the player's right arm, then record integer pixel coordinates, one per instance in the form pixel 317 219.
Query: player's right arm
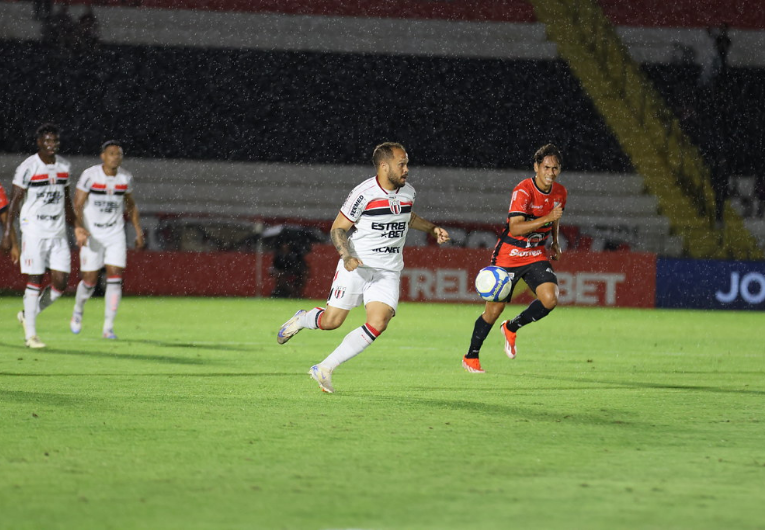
pixel 520 227
pixel 339 235
pixel 80 233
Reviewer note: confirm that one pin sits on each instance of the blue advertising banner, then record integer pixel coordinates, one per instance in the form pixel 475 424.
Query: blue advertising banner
pixel 708 284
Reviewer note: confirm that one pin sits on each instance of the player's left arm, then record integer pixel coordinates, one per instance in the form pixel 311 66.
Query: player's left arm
pixel 418 223
pixel 131 209
pixel 555 250
pixel 69 209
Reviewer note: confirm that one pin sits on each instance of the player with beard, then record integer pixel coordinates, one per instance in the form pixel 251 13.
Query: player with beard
pixel 379 210
pixel 41 184
pixel 536 207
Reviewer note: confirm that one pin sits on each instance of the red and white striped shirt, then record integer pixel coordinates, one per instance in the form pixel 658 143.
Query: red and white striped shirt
pixel 103 211
pixel 381 220
pixel 43 214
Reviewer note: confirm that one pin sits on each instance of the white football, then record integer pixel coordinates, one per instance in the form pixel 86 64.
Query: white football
pixel 493 283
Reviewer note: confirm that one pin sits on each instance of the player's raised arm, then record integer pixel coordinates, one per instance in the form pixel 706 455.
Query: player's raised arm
pixel 80 233
pixel 418 223
pixel 339 235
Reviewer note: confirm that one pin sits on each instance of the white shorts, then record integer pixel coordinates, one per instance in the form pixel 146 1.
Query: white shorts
pixel 349 289
pixel 100 252
pixel 38 254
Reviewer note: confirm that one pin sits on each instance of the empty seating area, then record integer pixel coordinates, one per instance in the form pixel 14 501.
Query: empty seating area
pixel 304 107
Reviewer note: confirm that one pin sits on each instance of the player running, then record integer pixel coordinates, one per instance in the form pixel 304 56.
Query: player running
pixel 104 192
pixel 536 207
pixel 41 187
pixel 369 270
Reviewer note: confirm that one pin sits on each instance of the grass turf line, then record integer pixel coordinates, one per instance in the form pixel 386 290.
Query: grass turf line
pixel 196 418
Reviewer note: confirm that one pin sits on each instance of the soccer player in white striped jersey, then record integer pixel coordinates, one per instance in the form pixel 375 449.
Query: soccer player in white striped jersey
pixel 104 193
pixel 369 270
pixel 41 187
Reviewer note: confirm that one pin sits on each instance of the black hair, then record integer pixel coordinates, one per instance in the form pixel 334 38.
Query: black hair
pixel 545 151
pixel 109 143
pixel 46 128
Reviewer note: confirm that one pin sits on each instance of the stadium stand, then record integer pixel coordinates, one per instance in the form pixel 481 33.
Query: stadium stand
pixel 296 101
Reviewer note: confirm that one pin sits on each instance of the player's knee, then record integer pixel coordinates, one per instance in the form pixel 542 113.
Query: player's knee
pixel 550 301
pixel 59 282
pixel 493 311
pixel 378 325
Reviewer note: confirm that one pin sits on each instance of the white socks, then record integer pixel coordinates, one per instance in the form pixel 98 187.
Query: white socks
pixel 31 299
pixel 353 344
pixel 84 291
pixel 312 319
pixel 35 301
pixel 112 299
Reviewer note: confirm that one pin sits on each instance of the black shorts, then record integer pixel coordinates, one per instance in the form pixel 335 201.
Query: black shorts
pixel 534 275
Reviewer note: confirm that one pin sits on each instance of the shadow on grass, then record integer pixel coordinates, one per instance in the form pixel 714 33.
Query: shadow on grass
pixel 656 386
pixel 193 345
pixel 111 355
pixel 517 413
pixel 43 398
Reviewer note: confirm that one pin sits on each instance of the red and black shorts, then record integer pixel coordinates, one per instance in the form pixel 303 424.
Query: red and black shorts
pixel 534 274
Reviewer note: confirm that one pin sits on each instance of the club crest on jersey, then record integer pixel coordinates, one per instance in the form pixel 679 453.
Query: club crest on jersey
pixel 395 206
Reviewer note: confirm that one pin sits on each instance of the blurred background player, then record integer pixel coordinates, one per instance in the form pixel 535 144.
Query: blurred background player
pixel 536 207
pixel 369 270
pixel 104 193
pixel 41 183
pixel 14 250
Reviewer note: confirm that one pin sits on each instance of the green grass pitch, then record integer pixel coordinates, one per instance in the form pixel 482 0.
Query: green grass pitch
pixel 195 418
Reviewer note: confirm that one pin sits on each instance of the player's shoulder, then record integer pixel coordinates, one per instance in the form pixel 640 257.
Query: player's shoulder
pixel 408 189
pixel 367 185
pixel 92 170
pixel 63 163
pixel 30 161
pixel 124 173
pixel 559 189
pixel 526 185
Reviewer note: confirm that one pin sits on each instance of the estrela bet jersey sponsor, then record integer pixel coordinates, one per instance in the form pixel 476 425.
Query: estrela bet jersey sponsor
pixel 103 211
pixel 381 220
pixel 43 214
pixel 529 202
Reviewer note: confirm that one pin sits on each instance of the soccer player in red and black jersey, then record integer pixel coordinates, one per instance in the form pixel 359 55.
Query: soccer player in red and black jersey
pixel 535 210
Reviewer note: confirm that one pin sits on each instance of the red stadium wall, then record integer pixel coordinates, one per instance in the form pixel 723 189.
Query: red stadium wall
pixel 618 279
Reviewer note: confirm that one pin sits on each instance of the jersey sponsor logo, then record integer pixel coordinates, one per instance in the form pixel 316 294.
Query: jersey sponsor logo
pixel 535 239
pixel 388 250
pixel 355 208
pixel 44 217
pixel 390 230
pixel 525 253
pixel 50 197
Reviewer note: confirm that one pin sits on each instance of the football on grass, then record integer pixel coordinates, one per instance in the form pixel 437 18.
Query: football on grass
pixel 492 283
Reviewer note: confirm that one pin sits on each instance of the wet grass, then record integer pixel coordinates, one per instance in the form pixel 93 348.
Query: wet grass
pixel 196 418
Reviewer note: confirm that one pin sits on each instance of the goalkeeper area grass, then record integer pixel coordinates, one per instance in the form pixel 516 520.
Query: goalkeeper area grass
pixel 196 419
